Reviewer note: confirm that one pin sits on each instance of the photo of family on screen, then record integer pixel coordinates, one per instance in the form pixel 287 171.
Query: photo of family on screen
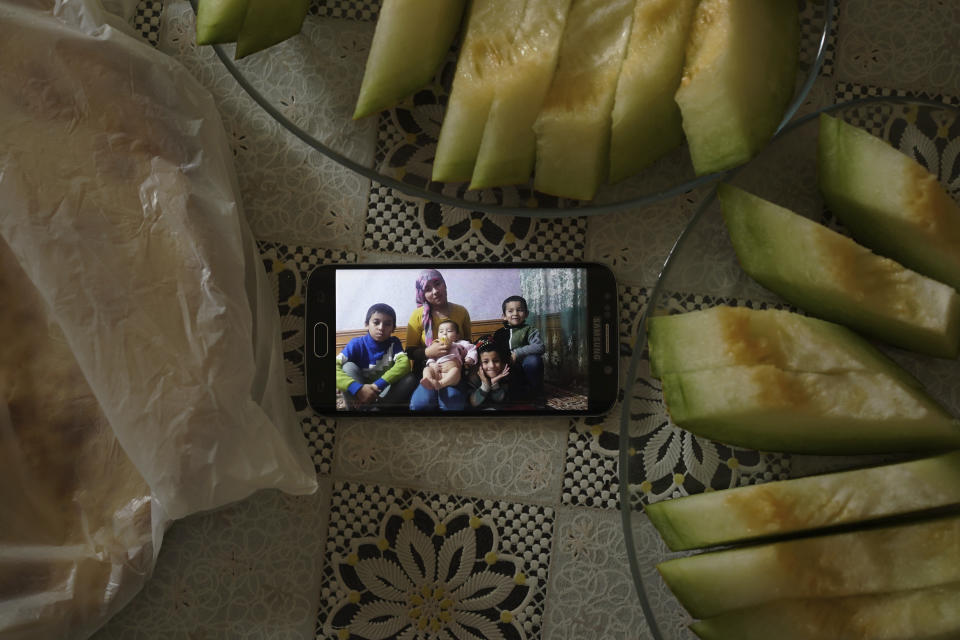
pixel 461 339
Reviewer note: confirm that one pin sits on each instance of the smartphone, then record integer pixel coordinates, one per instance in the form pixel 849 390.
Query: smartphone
pixel 428 339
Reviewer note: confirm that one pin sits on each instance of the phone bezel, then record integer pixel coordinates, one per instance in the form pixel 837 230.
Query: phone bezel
pixel 603 349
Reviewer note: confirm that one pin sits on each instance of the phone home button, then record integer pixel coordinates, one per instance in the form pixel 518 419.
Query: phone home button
pixel 321 339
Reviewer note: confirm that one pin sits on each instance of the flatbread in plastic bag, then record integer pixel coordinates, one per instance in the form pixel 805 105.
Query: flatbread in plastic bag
pixel 120 202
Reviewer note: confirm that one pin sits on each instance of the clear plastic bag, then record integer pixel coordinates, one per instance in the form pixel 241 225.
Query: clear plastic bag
pixel 152 340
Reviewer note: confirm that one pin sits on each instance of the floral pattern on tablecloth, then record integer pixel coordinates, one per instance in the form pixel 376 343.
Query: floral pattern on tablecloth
pixel 447 562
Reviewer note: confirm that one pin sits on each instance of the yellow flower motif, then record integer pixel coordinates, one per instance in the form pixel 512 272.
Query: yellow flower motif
pixel 411 138
pixel 382 544
pixel 520 578
pixel 943 131
pixel 733 463
pixel 295 300
pixel 446 603
pixel 440 529
pixel 646 486
pixel 632 451
pixel 476 223
pixel 911 115
pixel 443 231
pixel 278 266
pixel 352 559
pixel 491 557
pixel 596 430
pixel 343 634
pixel 506 616
pixel 678 478
pixel 400 173
pixel 408 514
pixel 509 238
pixel 475 522
pixel 415 613
pixel 438 593
pixel 354 597
pixel 416 599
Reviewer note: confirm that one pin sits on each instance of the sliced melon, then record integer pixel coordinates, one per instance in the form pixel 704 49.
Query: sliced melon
pixel 804 504
pixel 573 127
pixel 487 48
pixel 409 44
pixel 738 78
pixel 871 561
pixel 219 21
pixel 835 278
pixel 889 201
pixel 851 412
pixel 725 336
pixel 508 147
pixel 269 22
pixel 920 614
pixel 646 119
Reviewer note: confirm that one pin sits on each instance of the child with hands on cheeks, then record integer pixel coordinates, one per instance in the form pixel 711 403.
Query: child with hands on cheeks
pixel 489 383
pixel 373 370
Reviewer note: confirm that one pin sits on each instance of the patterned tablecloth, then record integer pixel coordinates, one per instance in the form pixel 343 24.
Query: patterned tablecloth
pixel 537 499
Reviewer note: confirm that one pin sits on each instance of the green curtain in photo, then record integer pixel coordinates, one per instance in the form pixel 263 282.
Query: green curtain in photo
pixel 558 298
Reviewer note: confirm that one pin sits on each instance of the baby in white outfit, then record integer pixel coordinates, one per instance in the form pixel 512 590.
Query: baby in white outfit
pixel 445 370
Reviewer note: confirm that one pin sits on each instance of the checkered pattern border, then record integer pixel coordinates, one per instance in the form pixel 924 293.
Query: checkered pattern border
pixel 319 433
pixel 812 16
pixel 846 91
pixel 590 473
pixel 356 511
pixel 347 9
pixel 146 20
pixel 633 301
pixel 398 224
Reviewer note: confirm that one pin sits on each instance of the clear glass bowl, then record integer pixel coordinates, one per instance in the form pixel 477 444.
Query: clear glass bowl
pixel 659 460
pixel 309 84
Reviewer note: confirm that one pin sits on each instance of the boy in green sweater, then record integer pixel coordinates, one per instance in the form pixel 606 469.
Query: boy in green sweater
pixel 526 350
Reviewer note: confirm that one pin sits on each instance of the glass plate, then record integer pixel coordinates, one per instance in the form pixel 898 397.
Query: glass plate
pixel 659 460
pixel 309 84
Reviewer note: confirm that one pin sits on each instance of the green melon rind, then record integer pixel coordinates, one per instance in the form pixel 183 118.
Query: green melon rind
pixel 850 413
pixel 487 47
pixel 573 127
pixel 805 504
pixel 738 81
pixel 219 21
pixel 932 613
pixel 508 148
pixel 724 336
pixel 833 277
pixel 269 22
pixel 645 123
pixel 870 561
pixel 409 45
pixel 888 201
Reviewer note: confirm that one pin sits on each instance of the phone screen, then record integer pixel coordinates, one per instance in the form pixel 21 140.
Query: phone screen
pixel 454 338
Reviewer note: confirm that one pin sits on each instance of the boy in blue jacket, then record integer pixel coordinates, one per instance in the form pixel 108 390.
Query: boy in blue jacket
pixel 373 370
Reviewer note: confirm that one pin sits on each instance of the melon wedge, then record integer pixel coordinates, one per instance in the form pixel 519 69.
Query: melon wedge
pixel 508 148
pixel 487 48
pixel 921 614
pixel 805 504
pixel 889 201
pixel 646 119
pixel 573 127
pixel 219 21
pixel 738 78
pixel 835 278
pixel 725 336
pixel 269 22
pixel 409 44
pixel 844 413
pixel 873 561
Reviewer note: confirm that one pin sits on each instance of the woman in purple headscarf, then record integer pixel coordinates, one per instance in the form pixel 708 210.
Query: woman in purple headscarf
pixel 433 307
